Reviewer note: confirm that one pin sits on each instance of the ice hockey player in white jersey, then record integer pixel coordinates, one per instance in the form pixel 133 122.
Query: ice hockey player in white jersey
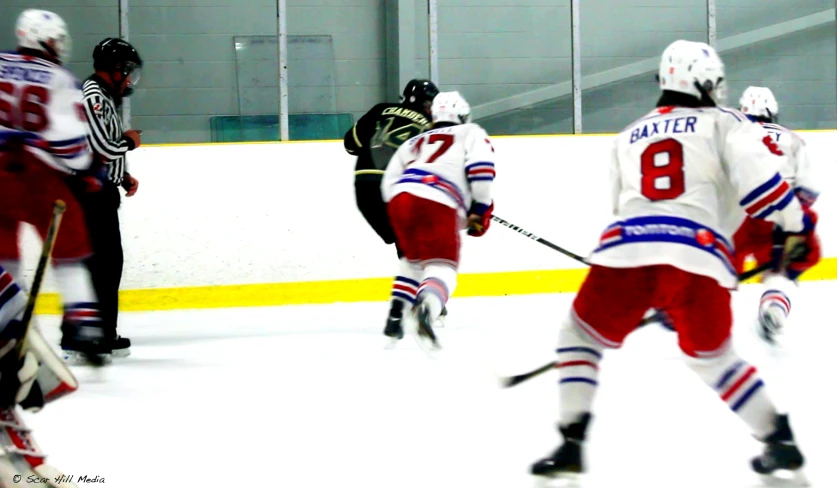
pixel 30 382
pixel 43 143
pixel 758 238
pixel 676 174
pixel 437 184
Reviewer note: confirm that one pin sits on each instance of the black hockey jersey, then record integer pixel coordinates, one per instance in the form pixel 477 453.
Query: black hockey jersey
pixel 377 135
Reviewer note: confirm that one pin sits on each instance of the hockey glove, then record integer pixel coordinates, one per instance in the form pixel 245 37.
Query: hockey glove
pixel 479 218
pixel 795 253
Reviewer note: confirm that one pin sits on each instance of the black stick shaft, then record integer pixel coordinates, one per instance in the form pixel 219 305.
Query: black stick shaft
pixel 541 240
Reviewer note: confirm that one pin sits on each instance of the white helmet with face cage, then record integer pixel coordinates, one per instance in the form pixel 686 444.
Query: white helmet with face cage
pixel 44 31
pixel 693 68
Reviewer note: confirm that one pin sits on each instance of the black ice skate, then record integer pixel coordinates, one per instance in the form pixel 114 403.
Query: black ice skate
pixel 394 329
pixel 781 462
pixel 566 461
pixel 85 344
pixel 425 329
pixel 120 347
pixel 440 324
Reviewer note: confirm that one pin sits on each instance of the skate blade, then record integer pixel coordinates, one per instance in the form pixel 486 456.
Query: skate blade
pixel 559 480
pixel 75 358
pixel 425 343
pixel 120 353
pixel 785 479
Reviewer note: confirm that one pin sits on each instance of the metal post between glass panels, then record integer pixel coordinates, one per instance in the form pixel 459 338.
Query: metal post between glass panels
pixel 575 19
pixel 433 32
pixel 282 57
pixel 711 25
pixel 123 33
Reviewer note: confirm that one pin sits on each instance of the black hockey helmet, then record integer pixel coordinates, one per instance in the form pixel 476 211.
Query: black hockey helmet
pixel 114 55
pixel 420 94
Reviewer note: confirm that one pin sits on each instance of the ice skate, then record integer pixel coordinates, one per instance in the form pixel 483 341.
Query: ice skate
pixel 85 345
pixel 425 335
pixel 770 324
pixel 781 462
pixel 440 324
pixel 394 329
pixel 120 347
pixel 566 461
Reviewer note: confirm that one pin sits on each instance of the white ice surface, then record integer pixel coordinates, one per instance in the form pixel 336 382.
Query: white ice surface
pixel 307 396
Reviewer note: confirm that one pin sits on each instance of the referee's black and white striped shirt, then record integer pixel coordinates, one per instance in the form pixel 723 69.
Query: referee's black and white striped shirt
pixel 105 123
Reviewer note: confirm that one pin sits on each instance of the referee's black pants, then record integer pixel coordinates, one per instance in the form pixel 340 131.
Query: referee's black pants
pixel 101 211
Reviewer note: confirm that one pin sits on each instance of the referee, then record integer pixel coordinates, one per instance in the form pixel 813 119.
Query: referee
pixel 117 67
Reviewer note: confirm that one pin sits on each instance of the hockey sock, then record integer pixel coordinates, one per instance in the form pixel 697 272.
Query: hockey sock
pixel 405 285
pixel 776 298
pixel 439 281
pixel 739 385
pixel 578 369
pixel 80 304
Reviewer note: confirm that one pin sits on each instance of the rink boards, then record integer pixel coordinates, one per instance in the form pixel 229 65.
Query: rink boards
pixel 232 225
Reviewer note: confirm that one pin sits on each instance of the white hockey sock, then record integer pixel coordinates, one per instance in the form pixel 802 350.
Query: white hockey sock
pixel 776 301
pixel 578 369
pixel 405 285
pixel 77 293
pixel 437 284
pixel 739 385
pixel 776 298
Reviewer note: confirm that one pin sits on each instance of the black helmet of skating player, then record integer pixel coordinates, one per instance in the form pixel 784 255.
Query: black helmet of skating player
pixel 419 94
pixel 118 57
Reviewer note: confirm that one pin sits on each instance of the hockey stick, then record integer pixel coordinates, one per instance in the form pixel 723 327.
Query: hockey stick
pixel 49 242
pixel 540 240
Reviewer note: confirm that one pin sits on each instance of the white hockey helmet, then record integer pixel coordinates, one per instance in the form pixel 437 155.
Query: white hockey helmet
pixel 44 31
pixel 758 101
pixel 693 68
pixel 450 107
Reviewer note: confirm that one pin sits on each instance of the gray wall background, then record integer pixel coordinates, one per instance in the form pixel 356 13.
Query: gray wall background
pixel 488 51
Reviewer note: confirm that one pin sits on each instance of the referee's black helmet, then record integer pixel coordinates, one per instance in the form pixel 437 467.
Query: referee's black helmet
pixel 114 55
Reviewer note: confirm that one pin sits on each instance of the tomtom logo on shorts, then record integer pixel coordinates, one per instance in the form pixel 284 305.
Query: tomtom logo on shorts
pixel 651 229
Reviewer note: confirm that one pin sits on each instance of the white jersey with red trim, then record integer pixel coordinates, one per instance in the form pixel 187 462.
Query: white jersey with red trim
pixel 40 105
pixel 680 178
pixel 451 165
pixel 797 169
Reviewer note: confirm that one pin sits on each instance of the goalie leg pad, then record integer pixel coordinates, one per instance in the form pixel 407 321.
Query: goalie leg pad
pixel 22 461
pixel 54 378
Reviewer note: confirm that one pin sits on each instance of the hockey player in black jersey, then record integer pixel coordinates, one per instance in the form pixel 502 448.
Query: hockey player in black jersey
pixel 374 139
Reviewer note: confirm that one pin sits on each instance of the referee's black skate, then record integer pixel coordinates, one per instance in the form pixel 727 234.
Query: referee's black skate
pixel 781 462
pixel 566 461
pixel 120 347
pixel 394 329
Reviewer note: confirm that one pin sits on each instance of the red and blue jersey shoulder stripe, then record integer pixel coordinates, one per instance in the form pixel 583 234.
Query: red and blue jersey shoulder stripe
pixel 480 171
pixel 772 195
